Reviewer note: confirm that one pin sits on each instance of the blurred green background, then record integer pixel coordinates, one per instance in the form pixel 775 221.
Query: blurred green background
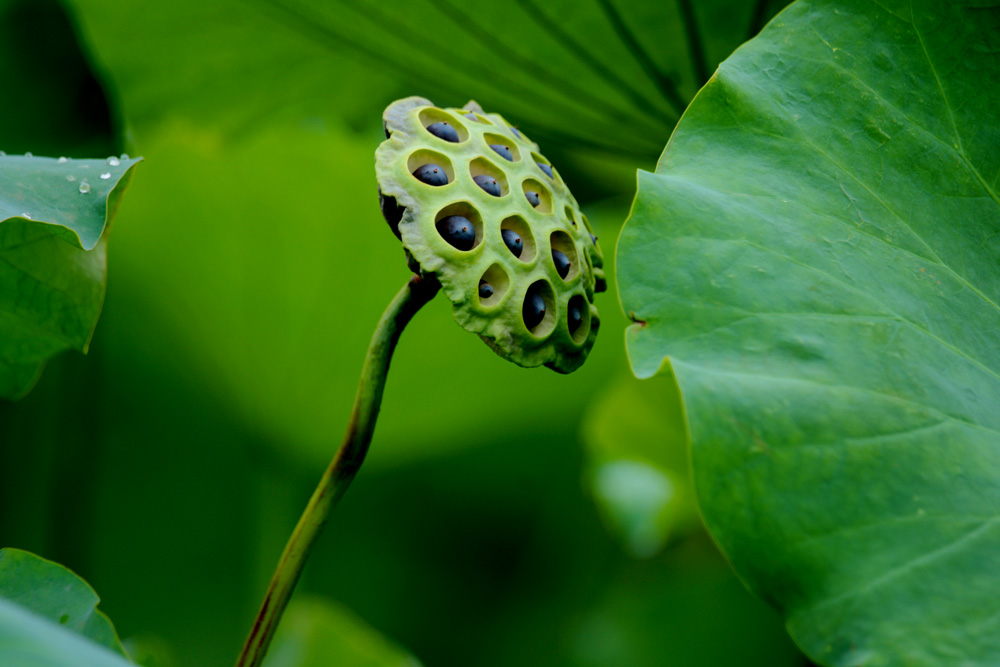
pixel 247 268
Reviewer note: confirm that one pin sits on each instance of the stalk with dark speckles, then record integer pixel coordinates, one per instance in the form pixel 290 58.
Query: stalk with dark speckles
pixel 344 466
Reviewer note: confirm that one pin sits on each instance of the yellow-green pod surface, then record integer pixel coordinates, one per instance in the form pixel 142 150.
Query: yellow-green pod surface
pixel 550 221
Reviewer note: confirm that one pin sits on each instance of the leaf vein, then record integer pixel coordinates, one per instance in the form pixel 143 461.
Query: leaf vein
pixel 912 564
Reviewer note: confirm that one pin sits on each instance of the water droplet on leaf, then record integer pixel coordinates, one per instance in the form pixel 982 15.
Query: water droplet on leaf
pixel 113 161
pixel 106 175
pixel 63 160
pixel 84 186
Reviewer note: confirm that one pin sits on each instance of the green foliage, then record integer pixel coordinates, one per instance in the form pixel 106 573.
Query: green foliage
pixel 815 262
pixel 246 276
pixel 27 640
pixel 271 310
pixel 48 615
pixel 315 632
pixel 54 102
pixel 637 463
pixel 608 75
pixel 53 214
pixel 76 197
pixel 680 608
pixel 229 151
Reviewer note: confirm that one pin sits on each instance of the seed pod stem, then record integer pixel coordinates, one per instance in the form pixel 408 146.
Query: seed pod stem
pixel 344 466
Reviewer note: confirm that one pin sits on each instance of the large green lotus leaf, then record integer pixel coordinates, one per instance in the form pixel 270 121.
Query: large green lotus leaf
pixel 637 463
pixel 608 74
pixel 315 632
pixel 41 601
pixel 53 214
pixel 815 259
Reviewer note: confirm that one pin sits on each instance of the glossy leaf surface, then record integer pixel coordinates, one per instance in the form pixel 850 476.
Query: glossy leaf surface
pixel 815 259
pixel 53 213
pixel 48 615
pixel 76 198
pixel 28 640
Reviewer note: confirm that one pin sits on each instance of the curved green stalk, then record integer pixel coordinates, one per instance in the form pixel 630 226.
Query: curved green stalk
pixel 343 467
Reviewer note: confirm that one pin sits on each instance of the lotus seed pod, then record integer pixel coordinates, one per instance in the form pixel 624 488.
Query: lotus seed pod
pixel 498 228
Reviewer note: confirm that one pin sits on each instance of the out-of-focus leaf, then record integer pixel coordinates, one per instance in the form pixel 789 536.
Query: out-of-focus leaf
pixel 637 467
pixel 51 592
pixel 273 301
pixel 816 261
pixel 683 607
pixel 53 104
pixel 315 632
pixel 53 214
pixel 150 651
pixel 29 640
pixel 608 74
pixel 498 546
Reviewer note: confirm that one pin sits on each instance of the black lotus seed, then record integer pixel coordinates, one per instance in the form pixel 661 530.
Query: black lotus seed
pixel 503 151
pixel 562 263
pixel 443 130
pixel 533 310
pixel 533 198
pixel 485 290
pixel 593 238
pixel 488 184
pixel 458 231
pixel 471 116
pixel 513 241
pixel 547 169
pixel 515 132
pixel 575 317
pixel 431 174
